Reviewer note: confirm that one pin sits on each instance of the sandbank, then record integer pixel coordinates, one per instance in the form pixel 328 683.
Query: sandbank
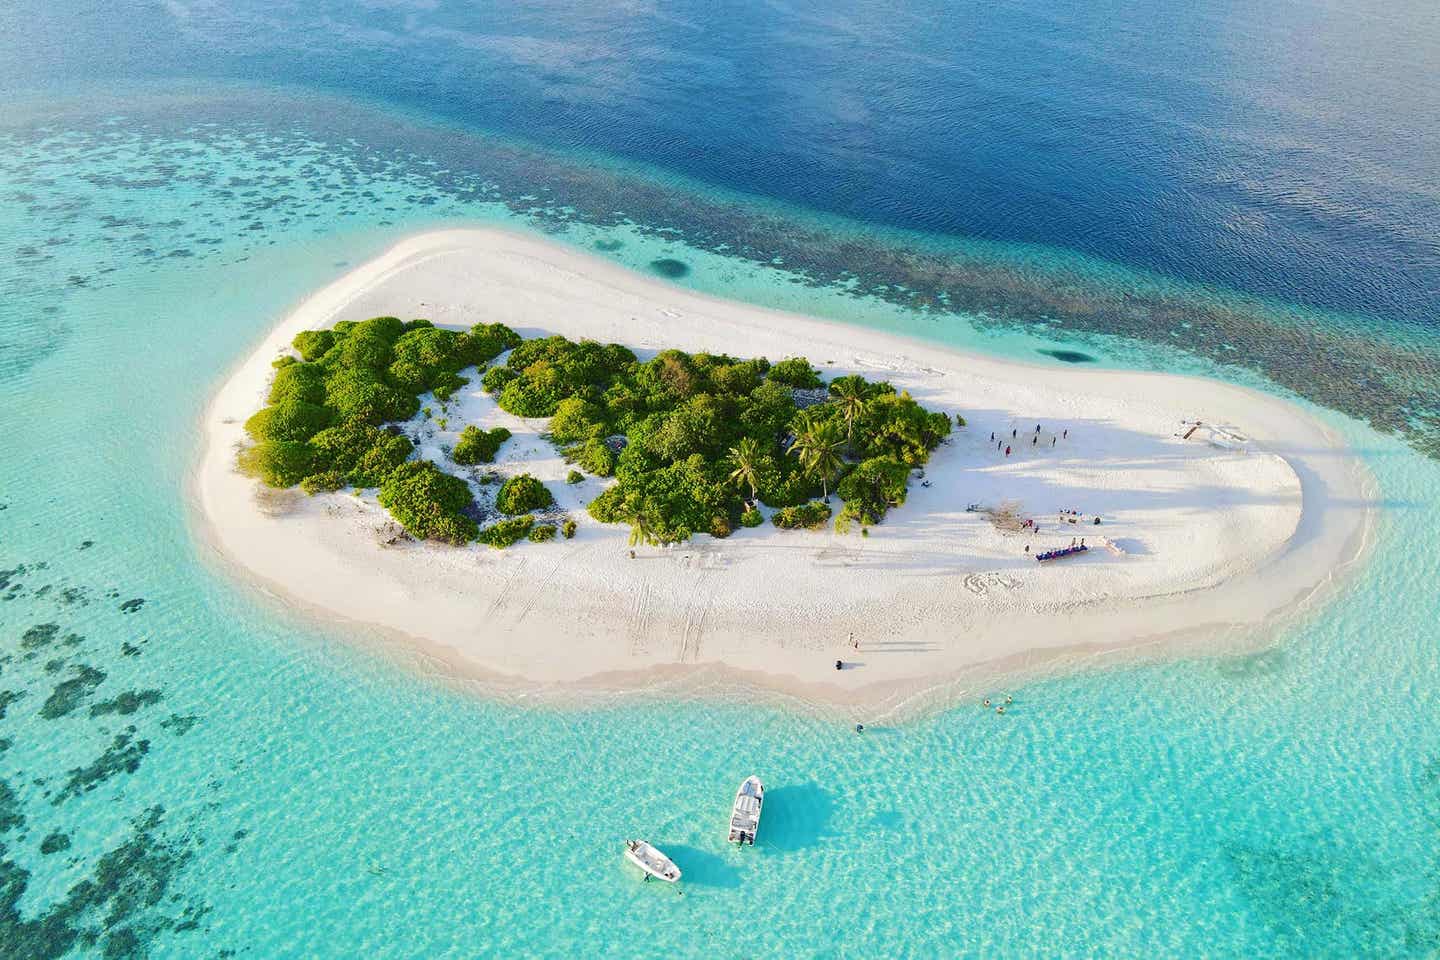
pixel 1217 537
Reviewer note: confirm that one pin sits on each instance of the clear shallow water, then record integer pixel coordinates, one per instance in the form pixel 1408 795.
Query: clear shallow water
pixel 281 794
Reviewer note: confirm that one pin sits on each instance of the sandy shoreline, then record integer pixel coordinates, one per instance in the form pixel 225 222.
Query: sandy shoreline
pixel 1218 544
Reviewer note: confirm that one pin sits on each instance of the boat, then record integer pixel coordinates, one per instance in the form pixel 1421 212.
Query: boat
pixel 651 860
pixel 745 815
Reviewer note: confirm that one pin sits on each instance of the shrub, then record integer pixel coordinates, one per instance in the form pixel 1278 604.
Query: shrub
pixel 568 528
pixel 313 344
pixel 960 421
pixel 809 515
pixel 576 419
pixel 575 476
pixel 496 378
pixel 282 362
pixel 593 456
pixel 795 372
pixel 428 503
pixel 484 342
pixel 870 489
pixel 503 533
pixel 478 446
pixel 322 482
pixel 279 463
pixel 751 518
pixel 358 394
pixel 521 494
pixel 445 384
pixel 542 533
pixel 298 382
pixel 292 420
pixel 363 454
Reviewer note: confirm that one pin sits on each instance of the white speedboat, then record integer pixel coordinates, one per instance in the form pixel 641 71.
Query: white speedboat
pixel 745 815
pixel 651 860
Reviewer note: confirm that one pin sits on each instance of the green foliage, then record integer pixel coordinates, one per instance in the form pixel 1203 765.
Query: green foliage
pixel 593 456
pixel 808 515
pixel 362 454
pixel 298 383
pixel 554 368
pixel 494 380
pixel 817 447
pixel 895 426
pixel 748 462
pixel 484 342
pixel 281 362
pixel 279 463
pixel 478 446
pixel 768 412
pixel 521 494
pixel 568 528
pixel 751 518
pixel 359 394
pixel 292 420
pixel 428 503
pixel 313 344
pixel 503 533
pixel 870 489
pixel 671 502
pixel 959 420
pixel 575 476
pixel 796 372
pixel 322 482
pixel 577 419
pixel 539 534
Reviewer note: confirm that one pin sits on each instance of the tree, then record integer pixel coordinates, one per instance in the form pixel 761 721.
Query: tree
pixel 521 494
pixel 817 445
pixel 641 530
pixel 850 398
pixel 746 458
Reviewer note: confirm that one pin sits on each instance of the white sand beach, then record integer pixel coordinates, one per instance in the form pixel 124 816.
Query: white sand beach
pixel 1216 537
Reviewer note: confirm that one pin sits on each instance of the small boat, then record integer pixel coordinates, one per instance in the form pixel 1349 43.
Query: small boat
pixel 745 815
pixel 651 860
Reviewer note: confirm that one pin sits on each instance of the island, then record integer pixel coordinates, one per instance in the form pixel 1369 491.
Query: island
pixel 533 469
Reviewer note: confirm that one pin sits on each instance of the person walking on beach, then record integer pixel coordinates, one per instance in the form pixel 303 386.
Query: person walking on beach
pixel 1007 451
pixel 1012 434
pixel 1052 441
pixel 1066 434
pixel 992 434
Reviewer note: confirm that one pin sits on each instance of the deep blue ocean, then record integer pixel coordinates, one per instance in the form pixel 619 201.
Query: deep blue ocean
pixel 1245 191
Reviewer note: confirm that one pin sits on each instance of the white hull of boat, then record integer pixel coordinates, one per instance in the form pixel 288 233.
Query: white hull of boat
pixel 745 814
pixel 652 861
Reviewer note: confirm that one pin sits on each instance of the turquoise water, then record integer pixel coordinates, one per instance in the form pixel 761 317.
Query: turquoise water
pixel 238 784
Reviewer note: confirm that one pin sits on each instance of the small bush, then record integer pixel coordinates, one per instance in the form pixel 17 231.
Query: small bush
pixel 795 372
pixel 279 463
pixel 542 533
pixel 302 382
pixel 323 482
pixel 574 476
pixel 593 456
pixel 751 518
pixel 959 420
pixel 428 503
pixel 521 494
pixel 503 533
pixel 496 378
pixel 568 528
pixel 291 420
pixel 313 344
pixel 281 362
pixel 809 516
pixel 478 446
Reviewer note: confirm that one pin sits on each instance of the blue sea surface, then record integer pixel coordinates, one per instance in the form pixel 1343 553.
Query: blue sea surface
pixel 188 769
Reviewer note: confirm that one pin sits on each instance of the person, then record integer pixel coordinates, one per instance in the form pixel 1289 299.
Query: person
pixel 987 701
pixel 839 664
pixel 1097 519
pixel 992 434
pixel 1052 441
pixel 1027 548
pixel 1037 428
pixel 859 728
pixel 1034 440
pixel 1013 434
pixel 1066 434
pixel 1007 451
pixel 854 641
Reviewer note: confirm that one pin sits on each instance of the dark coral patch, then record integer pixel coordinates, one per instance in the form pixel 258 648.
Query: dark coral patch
pixel 55 843
pixel 69 694
pixel 126 703
pixel 132 605
pixel 1069 356
pixel 670 268
pixel 39 636
pixel 609 246
pixel 122 756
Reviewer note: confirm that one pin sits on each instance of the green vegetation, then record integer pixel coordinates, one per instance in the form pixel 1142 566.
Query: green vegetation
pixel 428 502
pixel 695 442
pixel 478 446
pixel 521 494
pixel 808 515
pixel 574 476
pixel 503 533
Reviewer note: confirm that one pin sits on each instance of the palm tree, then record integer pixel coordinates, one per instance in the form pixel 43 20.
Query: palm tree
pixel 746 457
pixel 850 398
pixel 817 444
pixel 641 530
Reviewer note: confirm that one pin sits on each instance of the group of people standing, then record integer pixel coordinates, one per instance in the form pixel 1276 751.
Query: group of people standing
pixel 1000 443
